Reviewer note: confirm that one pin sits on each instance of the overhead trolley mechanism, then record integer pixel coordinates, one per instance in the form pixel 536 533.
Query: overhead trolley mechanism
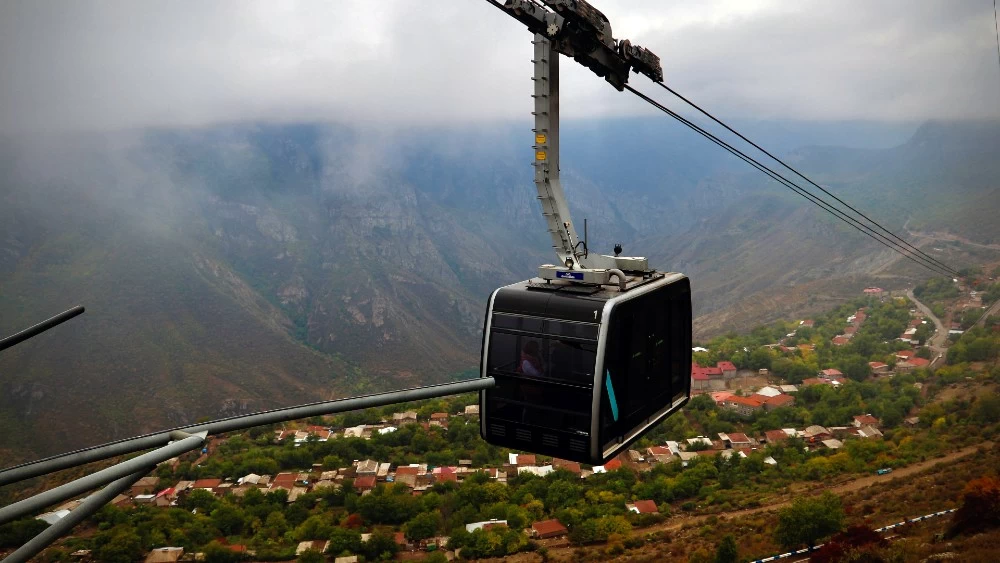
pixel 596 349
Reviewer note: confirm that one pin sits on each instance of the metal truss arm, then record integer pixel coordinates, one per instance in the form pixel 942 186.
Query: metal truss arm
pixel 89 506
pixel 73 488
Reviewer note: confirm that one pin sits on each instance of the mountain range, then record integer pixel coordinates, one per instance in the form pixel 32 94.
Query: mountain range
pixel 238 267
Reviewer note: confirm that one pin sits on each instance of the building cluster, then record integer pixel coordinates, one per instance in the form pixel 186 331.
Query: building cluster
pixel 851 327
pixel 366 431
pixel 737 443
pixel 365 476
pixel 764 399
pixel 909 335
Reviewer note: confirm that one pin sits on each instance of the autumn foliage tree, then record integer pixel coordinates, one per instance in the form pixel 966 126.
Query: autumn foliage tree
pixel 980 508
pixel 855 541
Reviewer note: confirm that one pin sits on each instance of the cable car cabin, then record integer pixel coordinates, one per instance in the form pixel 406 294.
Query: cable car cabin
pixel 582 371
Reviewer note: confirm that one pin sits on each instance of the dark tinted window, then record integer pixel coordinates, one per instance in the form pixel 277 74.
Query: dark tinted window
pixel 647 359
pixel 546 326
pixel 544 371
pixel 538 403
pixel 541 357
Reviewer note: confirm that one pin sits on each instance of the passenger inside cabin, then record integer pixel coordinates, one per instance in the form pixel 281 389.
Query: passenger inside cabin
pixel 531 360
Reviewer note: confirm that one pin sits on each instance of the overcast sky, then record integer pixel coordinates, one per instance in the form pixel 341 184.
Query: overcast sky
pixel 107 65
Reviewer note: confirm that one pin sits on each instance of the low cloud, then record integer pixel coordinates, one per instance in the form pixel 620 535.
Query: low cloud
pixel 118 64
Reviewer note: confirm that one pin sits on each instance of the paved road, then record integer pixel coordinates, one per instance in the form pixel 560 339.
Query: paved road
pixel 936 342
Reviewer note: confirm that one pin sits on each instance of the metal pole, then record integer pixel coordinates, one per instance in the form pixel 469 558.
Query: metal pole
pixel 89 506
pixel 130 445
pixel 40 327
pixel 94 480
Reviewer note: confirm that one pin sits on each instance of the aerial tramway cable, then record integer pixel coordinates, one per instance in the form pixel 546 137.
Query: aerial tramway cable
pixel 826 206
pixel 800 175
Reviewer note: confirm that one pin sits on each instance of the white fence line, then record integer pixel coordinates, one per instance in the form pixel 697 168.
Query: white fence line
pixel 882 529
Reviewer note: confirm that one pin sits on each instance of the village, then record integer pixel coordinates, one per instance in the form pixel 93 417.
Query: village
pixel 728 388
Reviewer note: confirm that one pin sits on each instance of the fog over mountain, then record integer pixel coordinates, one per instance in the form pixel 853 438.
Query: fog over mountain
pixel 246 266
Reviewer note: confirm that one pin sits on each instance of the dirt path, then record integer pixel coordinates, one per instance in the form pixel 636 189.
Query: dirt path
pixel 952 238
pixel 675 523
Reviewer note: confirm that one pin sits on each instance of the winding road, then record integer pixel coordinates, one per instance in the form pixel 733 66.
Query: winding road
pixel 936 342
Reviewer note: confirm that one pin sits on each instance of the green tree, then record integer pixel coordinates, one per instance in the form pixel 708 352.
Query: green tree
pixel 313 528
pixel 761 359
pixel 274 526
pixel 120 545
pixel 423 525
pixel 228 519
pixel 343 540
pixel 200 500
pixel 809 519
pixel 18 532
pixel 380 545
pixel 987 409
pixel 726 551
pixel 311 556
pixel 215 552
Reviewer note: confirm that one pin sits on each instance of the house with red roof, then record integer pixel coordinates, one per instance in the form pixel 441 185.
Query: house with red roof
pixel 699 379
pixel 548 529
pixel 642 507
pixel 744 406
pixel 775 436
pixel 165 497
pixel 728 369
pixel 571 466
pixel 209 484
pixel 613 464
pixel 878 367
pixel 919 362
pixel 365 483
pixel 720 397
pixel 778 401
pixel 840 340
pixel 865 420
pixel 814 381
pixel 658 450
pixel 525 460
pixel 735 439
pixel 713 372
pixel 831 373
pixel 439 419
